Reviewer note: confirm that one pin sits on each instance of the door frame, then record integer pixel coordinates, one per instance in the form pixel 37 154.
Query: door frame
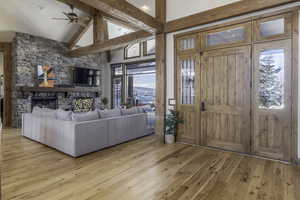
pixel 6 49
pixel 295 64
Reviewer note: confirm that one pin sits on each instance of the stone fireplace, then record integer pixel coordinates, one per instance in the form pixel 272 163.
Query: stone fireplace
pixel 43 100
pixel 28 52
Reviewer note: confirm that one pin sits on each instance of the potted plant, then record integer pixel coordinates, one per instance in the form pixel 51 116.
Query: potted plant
pixel 172 120
pixel 104 101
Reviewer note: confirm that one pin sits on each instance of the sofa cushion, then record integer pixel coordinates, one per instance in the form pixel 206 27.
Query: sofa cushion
pixel 64 115
pixel 37 111
pixel 49 113
pixel 140 109
pixel 129 111
pixel 44 112
pixel 88 116
pixel 109 113
pixel 147 108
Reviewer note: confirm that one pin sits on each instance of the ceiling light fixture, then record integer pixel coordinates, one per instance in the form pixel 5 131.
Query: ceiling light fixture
pixel 145 8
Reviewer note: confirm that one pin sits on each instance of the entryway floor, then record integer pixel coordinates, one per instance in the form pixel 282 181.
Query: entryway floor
pixel 142 169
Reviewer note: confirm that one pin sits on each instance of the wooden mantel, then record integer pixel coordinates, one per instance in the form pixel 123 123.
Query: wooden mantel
pixel 58 89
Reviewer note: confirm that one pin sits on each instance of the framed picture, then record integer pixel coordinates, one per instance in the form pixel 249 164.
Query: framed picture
pixel 45 76
pixel 132 51
pixel 149 47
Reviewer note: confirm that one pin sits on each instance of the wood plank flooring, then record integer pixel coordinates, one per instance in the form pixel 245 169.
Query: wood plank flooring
pixel 141 170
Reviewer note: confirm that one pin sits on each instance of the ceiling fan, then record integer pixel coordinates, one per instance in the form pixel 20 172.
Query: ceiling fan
pixel 72 17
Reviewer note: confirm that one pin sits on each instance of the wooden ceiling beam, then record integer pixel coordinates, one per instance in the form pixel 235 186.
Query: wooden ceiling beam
pixel 223 12
pixel 78 35
pixel 110 44
pixel 93 11
pixel 125 11
pixel 100 31
pixel 81 6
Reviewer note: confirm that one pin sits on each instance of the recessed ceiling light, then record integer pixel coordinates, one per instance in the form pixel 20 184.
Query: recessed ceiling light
pixel 145 8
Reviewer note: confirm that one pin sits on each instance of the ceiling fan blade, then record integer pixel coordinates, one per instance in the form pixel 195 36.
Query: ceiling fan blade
pixel 61 19
pixel 67 15
pixel 85 18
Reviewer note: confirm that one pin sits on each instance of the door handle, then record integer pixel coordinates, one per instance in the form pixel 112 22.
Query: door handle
pixel 203 107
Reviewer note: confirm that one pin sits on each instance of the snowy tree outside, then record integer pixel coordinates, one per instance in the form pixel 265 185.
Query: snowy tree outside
pixel 271 89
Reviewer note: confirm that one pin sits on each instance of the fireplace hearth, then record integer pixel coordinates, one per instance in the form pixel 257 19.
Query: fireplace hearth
pixel 44 101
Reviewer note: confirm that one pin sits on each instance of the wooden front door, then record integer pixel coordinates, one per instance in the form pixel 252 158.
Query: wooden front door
pixel 272 100
pixel 225 98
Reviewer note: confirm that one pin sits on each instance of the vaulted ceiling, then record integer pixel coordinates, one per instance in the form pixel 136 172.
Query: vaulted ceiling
pixel 35 17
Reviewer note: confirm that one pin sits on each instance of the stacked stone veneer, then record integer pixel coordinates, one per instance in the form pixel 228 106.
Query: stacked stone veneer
pixel 29 52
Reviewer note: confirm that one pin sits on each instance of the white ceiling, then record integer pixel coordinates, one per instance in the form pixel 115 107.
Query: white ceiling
pixel 35 17
pixel 147 6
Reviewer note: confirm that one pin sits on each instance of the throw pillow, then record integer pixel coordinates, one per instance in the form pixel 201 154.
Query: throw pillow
pixel 130 111
pixel 64 115
pixel 37 111
pixel 49 113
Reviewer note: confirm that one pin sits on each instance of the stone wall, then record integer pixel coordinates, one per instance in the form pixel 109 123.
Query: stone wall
pixel 29 52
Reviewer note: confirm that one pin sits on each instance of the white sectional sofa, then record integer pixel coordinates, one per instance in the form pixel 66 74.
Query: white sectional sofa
pixel 78 138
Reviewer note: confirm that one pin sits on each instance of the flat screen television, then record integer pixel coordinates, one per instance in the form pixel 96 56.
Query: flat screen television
pixel 86 77
pixel 81 76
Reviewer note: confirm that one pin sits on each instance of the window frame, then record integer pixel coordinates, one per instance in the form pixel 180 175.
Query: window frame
pixel 245 41
pixel 257 37
pixel 188 51
pixel 126 57
pixel 145 48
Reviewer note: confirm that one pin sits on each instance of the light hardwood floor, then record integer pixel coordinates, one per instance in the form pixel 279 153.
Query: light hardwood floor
pixel 141 170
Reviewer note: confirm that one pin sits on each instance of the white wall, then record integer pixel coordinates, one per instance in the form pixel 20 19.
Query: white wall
pixel 299 96
pixel 1 73
pixel 182 8
pixel 170 44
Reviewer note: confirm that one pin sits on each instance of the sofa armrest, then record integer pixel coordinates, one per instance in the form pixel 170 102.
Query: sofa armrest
pixel 90 136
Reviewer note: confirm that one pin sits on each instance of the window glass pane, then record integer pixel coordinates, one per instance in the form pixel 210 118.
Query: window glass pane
pixel 150 47
pixel 141 85
pixel 274 27
pixel 228 36
pixel 187 43
pixel 188 81
pixel 117 92
pixel 271 79
pixel 133 51
pixel 118 71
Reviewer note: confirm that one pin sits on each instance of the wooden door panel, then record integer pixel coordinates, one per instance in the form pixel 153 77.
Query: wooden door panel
pixel 272 112
pixel 225 90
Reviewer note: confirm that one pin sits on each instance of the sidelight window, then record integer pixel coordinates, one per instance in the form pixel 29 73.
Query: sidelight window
pixel 274 27
pixel 188 81
pixel 271 79
pixel 187 43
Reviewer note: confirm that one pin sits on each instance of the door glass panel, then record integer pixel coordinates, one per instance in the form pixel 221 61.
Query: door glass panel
pixel 188 81
pixel 187 43
pixel 271 79
pixel 228 36
pixel 274 27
